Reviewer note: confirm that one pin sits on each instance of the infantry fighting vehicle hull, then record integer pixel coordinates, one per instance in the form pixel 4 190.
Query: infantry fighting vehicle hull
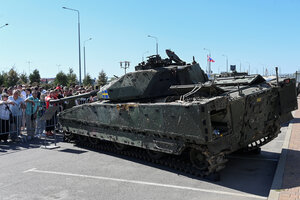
pixel 169 108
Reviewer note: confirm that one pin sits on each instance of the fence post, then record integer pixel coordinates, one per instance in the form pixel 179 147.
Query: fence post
pixel 51 116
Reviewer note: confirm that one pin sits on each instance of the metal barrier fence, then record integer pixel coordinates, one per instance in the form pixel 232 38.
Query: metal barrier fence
pixel 16 122
pixel 23 126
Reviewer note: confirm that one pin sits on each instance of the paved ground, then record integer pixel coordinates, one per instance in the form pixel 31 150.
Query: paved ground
pixel 289 178
pixel 69 172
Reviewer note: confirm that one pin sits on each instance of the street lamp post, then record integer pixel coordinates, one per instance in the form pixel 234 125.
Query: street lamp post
pixel 263 69
pixel 240 65
pixel 58 67
pixel 3 25
pixel 126 65
pixel 84 73
pixel 29 62
pixel 226 62
pixel 208 62
pixel 249 68
pixel 156 39
pixel 78 40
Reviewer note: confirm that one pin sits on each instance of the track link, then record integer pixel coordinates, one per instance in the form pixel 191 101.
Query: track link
pixel 180 164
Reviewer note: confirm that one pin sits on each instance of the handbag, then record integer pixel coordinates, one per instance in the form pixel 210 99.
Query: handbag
pixel 10 114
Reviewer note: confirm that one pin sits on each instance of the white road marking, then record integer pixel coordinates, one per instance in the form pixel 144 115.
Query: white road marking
pixel 34 170
pixel 29 170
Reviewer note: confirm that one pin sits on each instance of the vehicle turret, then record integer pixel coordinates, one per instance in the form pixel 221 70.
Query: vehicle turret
pixel 153 79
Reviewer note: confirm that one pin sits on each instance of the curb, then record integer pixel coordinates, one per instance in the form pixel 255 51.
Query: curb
pixel 278 177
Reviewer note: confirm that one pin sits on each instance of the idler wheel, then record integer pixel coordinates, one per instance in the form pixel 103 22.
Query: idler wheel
pixel 155 154
pixel 198 159
pixel 67 136
pixel 119 146
pixel 82 138
pixel 93 140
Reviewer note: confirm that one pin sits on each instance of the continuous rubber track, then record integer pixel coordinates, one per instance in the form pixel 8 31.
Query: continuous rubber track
pixel 180 164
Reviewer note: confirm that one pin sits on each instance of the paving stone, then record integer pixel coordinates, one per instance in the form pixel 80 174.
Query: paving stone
pixel 291 177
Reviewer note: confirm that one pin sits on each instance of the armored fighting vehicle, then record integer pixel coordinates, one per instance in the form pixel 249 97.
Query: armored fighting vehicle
pixel 233 73
pixel 169 109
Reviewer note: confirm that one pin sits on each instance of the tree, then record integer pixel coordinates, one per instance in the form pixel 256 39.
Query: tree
pixel 61 79
pixel 87 80
pixel 3 77
pixel 23 78
pixel 12 78
pixel 35 77
pixel 102 79
pixel 47 86
pixel 71 76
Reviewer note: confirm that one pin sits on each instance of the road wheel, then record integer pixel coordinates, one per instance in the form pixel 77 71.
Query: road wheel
pixel 198 159
pixel 119 146
pixel 155 154
pixel 93 140
pixel 82 138
pixel 68 136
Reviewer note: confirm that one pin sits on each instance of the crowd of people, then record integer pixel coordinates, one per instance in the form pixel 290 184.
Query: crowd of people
pixel 22 108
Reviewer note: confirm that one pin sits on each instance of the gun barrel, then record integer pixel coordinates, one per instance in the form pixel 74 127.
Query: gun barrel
pixel 70 98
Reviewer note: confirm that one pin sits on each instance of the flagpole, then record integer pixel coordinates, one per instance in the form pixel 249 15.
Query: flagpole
pixel 209 64
pixel 208 61
pixel 226 62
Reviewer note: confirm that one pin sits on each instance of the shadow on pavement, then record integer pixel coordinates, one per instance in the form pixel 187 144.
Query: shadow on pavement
pixel 291 176
pixel 23 144
pixel 295 120
pixel 75 151
pixel 251 174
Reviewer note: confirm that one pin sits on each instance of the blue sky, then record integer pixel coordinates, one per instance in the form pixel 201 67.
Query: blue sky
pixel 262 33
